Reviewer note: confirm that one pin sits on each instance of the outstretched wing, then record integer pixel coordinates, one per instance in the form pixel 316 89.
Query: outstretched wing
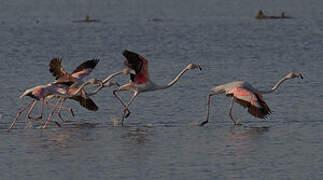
pixel 55 67
pixel 137 63
pixel 85 68
pixel 253 101
pixel 133 61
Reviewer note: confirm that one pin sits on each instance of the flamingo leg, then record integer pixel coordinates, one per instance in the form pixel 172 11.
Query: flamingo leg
pixel 41 108
pixel 30 110
pixel 63 107
pixel 126 108
pixel 51 113
pixel 59 110
pixel 120 100
pixel 207 109
pixel 230 112
pixel 18 114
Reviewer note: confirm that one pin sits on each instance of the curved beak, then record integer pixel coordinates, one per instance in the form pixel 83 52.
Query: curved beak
pixel 301 76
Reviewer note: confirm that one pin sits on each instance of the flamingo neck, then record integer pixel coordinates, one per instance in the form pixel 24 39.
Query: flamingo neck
pixel 275 86
pixel 111 76
pixel 106 80
pixel 174 80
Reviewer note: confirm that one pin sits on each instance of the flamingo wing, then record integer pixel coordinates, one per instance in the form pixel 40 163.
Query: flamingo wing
pixel 253 101
pixel 86 102
pixel 133 62
pixel 85 68
pixel 55 67
pixel 139 64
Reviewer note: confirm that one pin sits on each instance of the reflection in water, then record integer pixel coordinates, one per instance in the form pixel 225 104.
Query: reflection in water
pixel 242 137
pixel 68 139
pixel 249 132
pixel 241 144
pixel 138 135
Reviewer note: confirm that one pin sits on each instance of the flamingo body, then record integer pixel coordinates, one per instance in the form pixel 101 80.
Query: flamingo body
pixel 247 96
pixel 139 80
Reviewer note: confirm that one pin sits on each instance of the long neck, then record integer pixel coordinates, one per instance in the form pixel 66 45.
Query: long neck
pixel 79 89
pixel 174 80
pixel 275 86
pixel 105 81
pixel 111 76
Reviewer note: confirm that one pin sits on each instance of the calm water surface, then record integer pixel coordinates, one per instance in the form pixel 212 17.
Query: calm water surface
pixel 161 139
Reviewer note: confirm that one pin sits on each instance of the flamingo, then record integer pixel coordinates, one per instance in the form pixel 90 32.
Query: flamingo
pixel 140 81
pixel 39 93
pixel 77 75
pixel 76 89
pixel 51 90
pixel 247 96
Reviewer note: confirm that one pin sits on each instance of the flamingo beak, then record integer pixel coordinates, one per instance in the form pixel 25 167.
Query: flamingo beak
pixel 301 76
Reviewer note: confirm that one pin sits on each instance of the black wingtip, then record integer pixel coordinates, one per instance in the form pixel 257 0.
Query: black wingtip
pixel 204 122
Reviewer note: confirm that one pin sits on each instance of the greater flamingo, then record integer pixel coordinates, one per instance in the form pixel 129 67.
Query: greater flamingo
pixel 77 88
pixel 40 93
pixel 247 96
pixel 51 90
pixel 77 75
pixel 140 81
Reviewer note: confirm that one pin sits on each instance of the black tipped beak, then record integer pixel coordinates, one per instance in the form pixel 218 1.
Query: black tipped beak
pixel 200 68
pixel 301 76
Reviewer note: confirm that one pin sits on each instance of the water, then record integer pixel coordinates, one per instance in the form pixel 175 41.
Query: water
pixel 161 139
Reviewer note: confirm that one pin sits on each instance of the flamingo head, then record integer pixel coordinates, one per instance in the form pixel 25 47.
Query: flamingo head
pixel 294 75
pixel 193 66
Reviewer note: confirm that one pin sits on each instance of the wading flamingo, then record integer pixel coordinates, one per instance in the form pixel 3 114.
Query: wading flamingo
pixel 75 92
pixel 39 93
pixel 140 81
pixel 63 81
pixel 77 88
pixel 247 96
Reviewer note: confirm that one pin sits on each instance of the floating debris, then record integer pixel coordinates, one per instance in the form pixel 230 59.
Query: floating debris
pixel 86 20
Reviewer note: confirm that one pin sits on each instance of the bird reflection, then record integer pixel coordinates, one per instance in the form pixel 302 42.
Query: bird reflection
pixel 139 136
pixel 247 132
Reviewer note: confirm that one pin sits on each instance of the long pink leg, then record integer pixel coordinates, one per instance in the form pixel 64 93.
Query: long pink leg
pixel 207 109
pixel 126 108
pixel 41 108
pixel 41 111
pixel 51 113
pixel 30 110
pixel 120 100
pixel 18 114
pixel 59 110
pixel 63 107
pixel 230 110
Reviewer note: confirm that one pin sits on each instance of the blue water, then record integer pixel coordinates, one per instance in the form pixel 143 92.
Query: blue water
pixel 161 139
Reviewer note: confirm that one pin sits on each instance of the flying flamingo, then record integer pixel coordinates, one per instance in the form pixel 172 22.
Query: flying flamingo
pixel 247 96
pixel 140 81
pixel 77 75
